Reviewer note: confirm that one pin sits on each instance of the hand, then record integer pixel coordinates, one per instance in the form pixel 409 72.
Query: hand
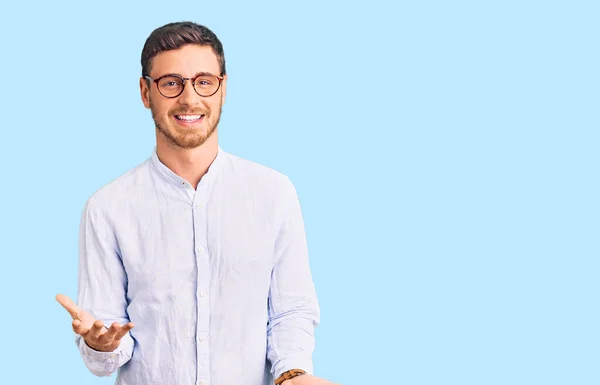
pixel 307 379
pixel 92 330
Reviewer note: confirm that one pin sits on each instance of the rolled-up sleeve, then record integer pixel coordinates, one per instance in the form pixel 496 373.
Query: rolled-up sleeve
pixel 102 288
pixel 293 307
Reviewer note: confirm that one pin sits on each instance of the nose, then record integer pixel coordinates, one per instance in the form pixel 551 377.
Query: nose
pixel 189 96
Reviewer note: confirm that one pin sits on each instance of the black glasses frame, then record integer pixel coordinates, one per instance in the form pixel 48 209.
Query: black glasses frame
pixel 183 81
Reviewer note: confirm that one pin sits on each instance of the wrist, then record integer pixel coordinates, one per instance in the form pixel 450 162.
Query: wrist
pixel 286 376
pixel 100 349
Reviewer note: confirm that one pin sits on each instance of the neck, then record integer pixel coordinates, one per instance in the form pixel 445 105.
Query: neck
pixel 190 164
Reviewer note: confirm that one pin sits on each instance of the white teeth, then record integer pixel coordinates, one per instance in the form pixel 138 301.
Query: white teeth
pixel 189 118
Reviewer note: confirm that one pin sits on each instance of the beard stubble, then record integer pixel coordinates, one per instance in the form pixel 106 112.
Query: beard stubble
pixel 181 138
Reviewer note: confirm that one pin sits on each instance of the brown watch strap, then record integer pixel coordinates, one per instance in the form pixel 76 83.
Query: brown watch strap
pixel 289 375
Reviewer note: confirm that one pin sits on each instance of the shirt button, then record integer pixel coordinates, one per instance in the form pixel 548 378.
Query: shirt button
pixel 201 383
pixel 201 340
pixel 199 205
pixel 200 249
pixel 202 294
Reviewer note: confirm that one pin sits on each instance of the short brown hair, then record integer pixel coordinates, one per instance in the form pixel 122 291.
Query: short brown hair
pixel 176 35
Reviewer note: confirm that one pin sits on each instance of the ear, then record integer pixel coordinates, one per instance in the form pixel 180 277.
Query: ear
pixel 145 92
pixel 223 89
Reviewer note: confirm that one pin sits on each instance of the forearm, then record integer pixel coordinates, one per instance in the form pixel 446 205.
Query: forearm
pixel 290 340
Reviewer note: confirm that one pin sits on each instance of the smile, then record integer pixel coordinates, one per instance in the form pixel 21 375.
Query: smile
pixel 189 118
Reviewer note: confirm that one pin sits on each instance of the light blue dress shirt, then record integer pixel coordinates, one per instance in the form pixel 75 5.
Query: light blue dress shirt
pixel 215 278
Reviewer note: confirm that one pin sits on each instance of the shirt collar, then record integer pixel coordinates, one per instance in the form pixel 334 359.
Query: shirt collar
pixel 169 176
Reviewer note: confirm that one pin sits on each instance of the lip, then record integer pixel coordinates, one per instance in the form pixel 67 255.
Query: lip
pixel 189 124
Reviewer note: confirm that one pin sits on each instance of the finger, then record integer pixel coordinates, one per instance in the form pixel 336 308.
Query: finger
pixel 112 332
pixel 69 305
pixel 78 327
pixel 96 329
pixel 124 330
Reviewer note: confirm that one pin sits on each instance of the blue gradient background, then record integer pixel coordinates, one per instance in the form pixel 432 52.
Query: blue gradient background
pixel 445 154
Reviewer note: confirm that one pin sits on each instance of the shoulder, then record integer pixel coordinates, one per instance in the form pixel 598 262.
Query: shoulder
pixel 259 185
pixel 124 187
pixel 256 176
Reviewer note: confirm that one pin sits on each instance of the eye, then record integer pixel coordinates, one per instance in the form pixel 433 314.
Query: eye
pixel 170 82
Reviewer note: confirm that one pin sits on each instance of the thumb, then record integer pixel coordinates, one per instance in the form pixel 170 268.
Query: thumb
pixel 86 319
pixel 69 305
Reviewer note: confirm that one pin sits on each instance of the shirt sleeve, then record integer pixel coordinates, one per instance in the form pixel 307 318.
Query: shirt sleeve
pixel 293 307
pixel 101 289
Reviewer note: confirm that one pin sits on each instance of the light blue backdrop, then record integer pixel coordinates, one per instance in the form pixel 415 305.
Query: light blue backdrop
pixel 445 154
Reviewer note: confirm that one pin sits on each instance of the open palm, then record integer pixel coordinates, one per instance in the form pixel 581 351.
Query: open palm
pixel 92 330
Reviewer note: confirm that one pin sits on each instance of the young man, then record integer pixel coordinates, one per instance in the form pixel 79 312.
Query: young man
pixel 204 252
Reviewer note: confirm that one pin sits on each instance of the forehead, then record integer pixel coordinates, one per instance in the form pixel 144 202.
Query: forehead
pixel 186 61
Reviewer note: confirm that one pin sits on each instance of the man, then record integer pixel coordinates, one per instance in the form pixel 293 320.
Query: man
pixel 193 266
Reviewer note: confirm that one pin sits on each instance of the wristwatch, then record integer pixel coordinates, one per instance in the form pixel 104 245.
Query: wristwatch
pixel 289 375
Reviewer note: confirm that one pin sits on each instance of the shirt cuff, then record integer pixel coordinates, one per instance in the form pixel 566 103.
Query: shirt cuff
pixel 290 363
pixel 105 363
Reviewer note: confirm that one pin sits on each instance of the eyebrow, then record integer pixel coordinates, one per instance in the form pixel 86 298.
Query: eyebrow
pixel 196 75
pixel 204 73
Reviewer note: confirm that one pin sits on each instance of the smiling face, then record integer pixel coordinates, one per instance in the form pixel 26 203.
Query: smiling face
pixel 188 120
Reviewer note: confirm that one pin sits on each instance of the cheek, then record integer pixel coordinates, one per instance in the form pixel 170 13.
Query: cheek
pixel 214 105
pixel 160 108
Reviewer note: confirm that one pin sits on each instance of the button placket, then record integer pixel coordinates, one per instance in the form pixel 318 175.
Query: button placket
pixel 203 280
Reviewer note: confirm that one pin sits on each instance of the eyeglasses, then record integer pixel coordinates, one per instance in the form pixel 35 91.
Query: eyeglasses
pixel 171 85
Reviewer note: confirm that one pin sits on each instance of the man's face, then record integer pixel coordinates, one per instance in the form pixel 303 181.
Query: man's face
pixel 176 118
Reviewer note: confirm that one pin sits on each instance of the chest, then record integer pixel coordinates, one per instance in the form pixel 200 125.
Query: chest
pixel 170 248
